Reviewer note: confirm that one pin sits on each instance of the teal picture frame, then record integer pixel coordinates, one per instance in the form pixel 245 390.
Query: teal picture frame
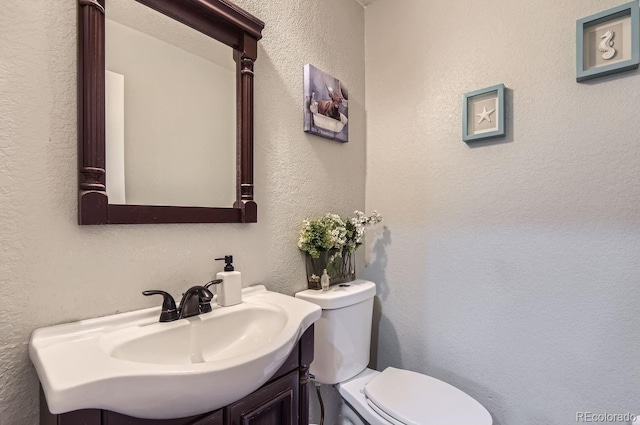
pixel 589 51
pixel 472 127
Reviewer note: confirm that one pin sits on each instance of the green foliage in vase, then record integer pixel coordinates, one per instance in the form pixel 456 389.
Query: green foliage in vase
pixel 331 232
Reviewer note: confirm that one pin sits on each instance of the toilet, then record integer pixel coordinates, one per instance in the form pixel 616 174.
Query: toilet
pixel 393 396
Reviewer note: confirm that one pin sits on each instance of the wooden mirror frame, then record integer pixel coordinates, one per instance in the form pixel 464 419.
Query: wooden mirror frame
pixel 218 19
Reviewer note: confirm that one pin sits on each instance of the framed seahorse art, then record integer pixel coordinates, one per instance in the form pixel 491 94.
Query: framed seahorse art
pixel 483 114
pixel 608 42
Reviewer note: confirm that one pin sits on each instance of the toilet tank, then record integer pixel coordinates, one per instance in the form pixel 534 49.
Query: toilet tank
pixel 343 332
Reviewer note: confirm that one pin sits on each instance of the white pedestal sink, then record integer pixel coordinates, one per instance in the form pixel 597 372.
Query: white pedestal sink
pixel 132 364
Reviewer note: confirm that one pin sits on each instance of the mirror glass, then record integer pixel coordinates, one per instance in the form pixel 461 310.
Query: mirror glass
pixel 170 111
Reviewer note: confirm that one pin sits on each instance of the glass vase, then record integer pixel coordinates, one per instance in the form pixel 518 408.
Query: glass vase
pixel 340 266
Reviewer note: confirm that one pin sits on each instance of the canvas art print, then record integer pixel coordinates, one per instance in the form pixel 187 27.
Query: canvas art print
pixel 325 105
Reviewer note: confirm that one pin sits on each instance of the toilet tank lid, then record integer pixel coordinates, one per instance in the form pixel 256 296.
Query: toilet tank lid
pixel 341 295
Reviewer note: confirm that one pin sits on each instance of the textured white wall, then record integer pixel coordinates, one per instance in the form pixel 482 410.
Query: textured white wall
pixel 53 271
pixel 510 268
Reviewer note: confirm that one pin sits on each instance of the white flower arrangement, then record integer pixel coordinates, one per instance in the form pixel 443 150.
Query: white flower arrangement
pixel 333 233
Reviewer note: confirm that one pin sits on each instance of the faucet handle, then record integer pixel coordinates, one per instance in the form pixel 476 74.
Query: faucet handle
pixel 213 282
pixel 169 311
pixel 205 306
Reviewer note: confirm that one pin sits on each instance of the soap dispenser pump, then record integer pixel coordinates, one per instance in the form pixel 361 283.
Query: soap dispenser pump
pixel 228 262
pixel 230 289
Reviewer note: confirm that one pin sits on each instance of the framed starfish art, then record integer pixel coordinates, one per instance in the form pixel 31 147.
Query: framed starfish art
pixel 483 114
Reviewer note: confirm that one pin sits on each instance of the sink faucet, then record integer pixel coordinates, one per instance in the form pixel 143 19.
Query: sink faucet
pixel 193 301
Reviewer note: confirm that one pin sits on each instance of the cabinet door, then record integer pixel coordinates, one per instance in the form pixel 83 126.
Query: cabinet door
pixel 275 403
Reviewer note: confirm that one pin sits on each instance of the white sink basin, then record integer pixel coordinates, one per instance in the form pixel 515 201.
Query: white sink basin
pixel 132 364
pixel 227 334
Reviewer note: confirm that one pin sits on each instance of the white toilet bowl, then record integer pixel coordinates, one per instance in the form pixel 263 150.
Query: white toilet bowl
pixel 401 397
pixel 393 396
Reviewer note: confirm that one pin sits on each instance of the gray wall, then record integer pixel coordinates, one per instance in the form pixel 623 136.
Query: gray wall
pixel 509 269
pixel 53 271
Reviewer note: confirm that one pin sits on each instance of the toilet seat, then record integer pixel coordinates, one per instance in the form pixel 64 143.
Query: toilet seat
pixel 403 397
pixel 380 412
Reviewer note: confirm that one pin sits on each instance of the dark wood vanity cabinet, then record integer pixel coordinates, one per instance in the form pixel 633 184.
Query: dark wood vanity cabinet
pixel 284 400
pixel 276 403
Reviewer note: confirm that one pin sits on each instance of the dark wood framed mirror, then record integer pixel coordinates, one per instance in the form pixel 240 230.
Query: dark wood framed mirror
pixel 217 19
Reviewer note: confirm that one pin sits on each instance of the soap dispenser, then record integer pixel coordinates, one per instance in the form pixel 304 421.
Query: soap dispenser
pixel 230 289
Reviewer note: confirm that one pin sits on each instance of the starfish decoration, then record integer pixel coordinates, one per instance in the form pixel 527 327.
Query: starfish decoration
pixel 485 115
